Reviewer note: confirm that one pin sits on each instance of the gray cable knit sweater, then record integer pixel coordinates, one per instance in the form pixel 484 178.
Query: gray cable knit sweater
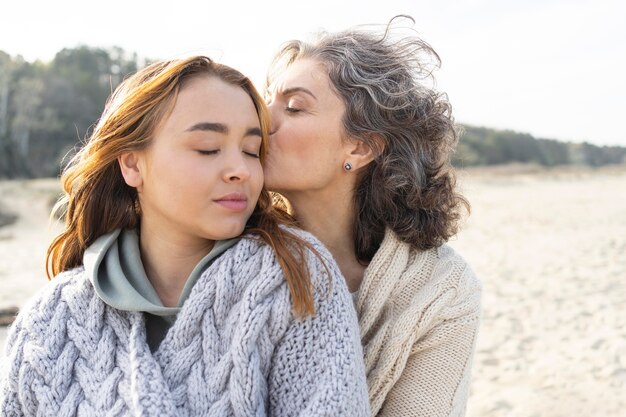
pixel 234 350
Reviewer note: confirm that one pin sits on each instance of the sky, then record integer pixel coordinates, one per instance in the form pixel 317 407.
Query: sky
pixel 554 69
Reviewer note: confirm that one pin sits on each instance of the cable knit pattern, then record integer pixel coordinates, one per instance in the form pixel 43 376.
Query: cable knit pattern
pixel 419 314
pixel 234 350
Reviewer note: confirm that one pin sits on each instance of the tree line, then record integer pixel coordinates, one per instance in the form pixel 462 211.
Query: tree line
pixel 48 108
pixel 484 146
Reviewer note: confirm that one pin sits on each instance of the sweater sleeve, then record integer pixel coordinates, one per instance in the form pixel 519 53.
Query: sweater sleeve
pixel 29 333
pixel 317 368
pixel 10 364
pixel 436 379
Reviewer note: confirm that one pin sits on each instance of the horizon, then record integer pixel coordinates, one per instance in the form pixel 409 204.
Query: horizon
pixel 456 121
pixel 549 69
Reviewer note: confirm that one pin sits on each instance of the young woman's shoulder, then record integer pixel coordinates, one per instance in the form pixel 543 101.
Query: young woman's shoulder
pixel 64 286
pixel 320 357
pixel 324 258
pixel 297 232
pixel 320 262
pixel 64 290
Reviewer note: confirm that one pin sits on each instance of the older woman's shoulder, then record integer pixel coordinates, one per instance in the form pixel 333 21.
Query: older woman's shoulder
pixel 447 254
pixel 445 261
pixel 452 269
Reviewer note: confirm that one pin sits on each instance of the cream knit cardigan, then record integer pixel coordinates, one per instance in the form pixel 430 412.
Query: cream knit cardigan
pixel 418 313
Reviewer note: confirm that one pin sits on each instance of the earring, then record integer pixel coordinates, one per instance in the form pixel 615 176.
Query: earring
pixel 347 166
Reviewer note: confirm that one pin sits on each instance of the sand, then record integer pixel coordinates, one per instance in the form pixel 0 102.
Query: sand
pixel 551 252
pixel 24 241
pixel 23 244
pixel 550 249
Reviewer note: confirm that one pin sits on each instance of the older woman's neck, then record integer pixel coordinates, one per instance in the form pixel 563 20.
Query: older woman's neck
pixel 331 219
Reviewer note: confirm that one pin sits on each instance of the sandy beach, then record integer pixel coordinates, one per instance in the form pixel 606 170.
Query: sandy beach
pixel 550 249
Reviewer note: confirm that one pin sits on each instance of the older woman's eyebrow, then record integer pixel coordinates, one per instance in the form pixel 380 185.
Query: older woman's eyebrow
pixel 222 128
pixel 293 90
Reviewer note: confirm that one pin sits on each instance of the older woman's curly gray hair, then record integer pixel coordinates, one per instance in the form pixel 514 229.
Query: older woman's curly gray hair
pixel 410 185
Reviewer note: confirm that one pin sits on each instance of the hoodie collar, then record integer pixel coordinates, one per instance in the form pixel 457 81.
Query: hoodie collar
pixel 113 264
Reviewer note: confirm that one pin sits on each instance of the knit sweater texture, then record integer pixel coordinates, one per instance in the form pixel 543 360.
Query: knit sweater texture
pixel 114 266
pixel 419 313
pixel 235 349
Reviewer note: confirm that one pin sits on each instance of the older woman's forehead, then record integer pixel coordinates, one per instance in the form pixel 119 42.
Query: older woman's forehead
pixel 303 74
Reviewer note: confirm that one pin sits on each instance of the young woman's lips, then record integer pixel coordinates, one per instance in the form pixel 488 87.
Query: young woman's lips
pixel 234 201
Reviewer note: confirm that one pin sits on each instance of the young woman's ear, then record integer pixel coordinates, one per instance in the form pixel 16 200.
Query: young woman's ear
pixel 361 154
pixel 129 165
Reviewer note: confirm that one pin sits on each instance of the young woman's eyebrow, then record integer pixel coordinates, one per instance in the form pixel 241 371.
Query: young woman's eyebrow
pixel 254 131
pixel 221 128
pixel 208 126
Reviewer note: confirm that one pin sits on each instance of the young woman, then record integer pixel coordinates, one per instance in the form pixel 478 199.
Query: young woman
pixel 157 307
pixel 360 147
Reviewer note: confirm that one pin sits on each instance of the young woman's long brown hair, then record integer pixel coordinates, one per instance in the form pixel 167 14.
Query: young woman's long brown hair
pixel 98 201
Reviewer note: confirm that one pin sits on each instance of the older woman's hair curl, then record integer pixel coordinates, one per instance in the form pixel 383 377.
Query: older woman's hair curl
pixel 382 80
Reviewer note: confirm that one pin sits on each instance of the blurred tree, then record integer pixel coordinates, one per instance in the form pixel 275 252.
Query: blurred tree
pixel 46 110
pixel 483 146
pixel 5 74
pixel 12 164
pixel 26 102
pixel 553 152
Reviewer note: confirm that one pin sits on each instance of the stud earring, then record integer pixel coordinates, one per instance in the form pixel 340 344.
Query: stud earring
pixel 347 166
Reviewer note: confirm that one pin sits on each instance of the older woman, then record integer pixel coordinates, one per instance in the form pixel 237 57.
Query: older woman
pixel 360 147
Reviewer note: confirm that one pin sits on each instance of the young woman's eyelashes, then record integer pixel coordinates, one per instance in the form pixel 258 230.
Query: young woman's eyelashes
pixel 203 152
pixel 253 154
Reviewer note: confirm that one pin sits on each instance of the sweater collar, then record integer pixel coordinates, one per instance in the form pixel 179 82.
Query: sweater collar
pixel 390 248
pixel 113 264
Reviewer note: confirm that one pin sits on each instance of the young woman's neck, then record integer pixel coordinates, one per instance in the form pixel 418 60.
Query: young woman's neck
pixel 168 260
pixel 330 218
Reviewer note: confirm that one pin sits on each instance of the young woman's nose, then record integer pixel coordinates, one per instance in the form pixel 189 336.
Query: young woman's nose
pixel 236 167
